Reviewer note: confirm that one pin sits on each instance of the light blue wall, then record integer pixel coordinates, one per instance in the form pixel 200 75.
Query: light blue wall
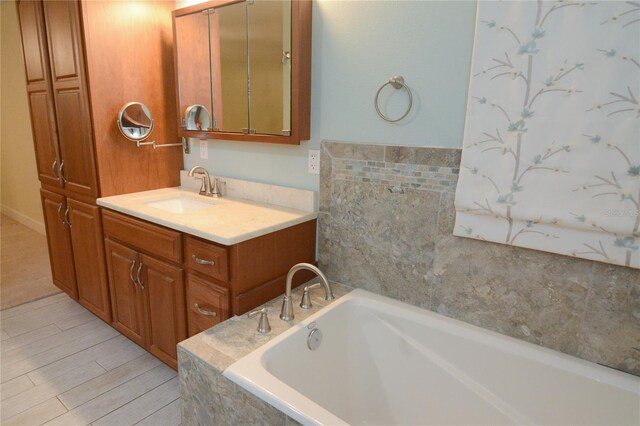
pixel 357 45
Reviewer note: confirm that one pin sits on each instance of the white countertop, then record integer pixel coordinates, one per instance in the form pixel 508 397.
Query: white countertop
pixel 227 221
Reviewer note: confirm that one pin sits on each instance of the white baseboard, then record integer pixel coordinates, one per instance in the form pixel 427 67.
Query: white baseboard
pixel 23 219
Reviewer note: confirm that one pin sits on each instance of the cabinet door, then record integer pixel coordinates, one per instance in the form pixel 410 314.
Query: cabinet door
pixel 127 299
pixel 164 290
pixel 59 242
pixel 229 66
pixel 62 22
pixel 39 91
pixel 191 35
pixel 88 250
pixel 269 24
pixel 207 304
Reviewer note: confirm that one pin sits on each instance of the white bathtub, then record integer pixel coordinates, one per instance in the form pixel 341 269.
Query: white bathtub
pixel 385 362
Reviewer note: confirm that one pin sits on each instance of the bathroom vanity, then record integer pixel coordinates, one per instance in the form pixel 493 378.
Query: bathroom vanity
pixel 179 263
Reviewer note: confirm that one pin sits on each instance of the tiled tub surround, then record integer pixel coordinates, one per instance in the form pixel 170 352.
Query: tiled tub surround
pixel 385 225
pixel 209 398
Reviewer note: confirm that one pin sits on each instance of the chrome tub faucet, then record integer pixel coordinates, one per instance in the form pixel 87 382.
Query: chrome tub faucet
pixel 286 314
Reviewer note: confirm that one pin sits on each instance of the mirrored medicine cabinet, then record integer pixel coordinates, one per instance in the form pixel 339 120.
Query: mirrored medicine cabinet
pixel 243 70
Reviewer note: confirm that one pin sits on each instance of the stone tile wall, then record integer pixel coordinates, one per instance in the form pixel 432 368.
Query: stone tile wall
pixel 209 398
pixel 385 225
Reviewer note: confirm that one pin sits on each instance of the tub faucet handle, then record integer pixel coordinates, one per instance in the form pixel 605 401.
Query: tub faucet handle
pixel 305 303
pixel 263 324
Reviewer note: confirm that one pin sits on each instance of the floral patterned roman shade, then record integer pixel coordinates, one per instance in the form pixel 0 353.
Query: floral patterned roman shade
pixel 551 151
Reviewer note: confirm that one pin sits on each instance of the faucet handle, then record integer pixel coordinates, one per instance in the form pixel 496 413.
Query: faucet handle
pixel 305 303
pixel 263 324
pixel 203 186
pixel 215 191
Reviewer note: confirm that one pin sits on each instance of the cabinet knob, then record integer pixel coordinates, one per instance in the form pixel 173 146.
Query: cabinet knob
pixel 203 261
pixel 205 312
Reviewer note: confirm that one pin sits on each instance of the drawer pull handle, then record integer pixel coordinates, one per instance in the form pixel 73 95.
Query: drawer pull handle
pixel 205 312
pixel 59 216
pixel 66 216
pixel 203 261
pixel 138 279
pixel 61 172
pixel 133 280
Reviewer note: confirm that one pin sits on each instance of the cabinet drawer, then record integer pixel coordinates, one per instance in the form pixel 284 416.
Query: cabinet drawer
pixel 145 236
pixel 207 303
pixel 207 258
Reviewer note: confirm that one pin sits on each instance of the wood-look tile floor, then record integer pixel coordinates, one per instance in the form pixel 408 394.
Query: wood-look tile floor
pixel 61 365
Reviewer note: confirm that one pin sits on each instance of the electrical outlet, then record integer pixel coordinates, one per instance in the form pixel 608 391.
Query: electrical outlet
pixel 204 153
pixel 314 161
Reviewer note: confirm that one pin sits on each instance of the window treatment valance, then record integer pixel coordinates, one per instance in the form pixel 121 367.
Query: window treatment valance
pixel 551 151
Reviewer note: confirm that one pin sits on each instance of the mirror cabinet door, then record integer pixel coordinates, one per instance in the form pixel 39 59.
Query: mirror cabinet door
pixel 192 56
pixel 269 27
pixel 234 65
pixel 229 65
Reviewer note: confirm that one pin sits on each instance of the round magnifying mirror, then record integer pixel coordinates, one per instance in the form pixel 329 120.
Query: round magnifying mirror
pixel 135 122
pixel 197 117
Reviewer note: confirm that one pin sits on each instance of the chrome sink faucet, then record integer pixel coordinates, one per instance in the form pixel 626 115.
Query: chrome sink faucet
pixel 286 314
pixel 206 189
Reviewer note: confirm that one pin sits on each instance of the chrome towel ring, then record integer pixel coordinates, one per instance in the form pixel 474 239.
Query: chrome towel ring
pixel 397 82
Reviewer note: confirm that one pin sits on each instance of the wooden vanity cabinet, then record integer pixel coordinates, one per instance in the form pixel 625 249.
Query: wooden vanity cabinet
pixel 166 285
pixel 147 284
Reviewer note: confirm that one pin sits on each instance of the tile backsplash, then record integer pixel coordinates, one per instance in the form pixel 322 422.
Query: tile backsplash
pixel 385 224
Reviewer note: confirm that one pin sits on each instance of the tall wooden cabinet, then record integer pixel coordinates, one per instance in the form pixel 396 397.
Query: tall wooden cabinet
pixel 76 165
pixel 61 124
pixel 83 61
pixel 39 91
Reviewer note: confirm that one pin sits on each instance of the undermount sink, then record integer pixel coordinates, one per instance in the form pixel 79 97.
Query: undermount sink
pixel 179 205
